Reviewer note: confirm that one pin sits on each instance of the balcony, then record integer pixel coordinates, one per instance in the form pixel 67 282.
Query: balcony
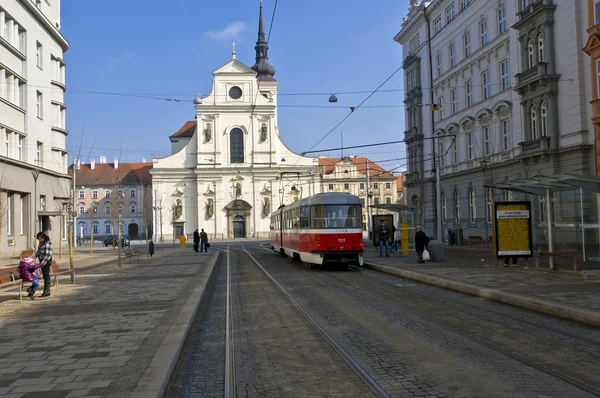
pixel 412 134
pixel 530 78
pixel 534 11
pixel 410 95
pixel 412 177
pixel 535 147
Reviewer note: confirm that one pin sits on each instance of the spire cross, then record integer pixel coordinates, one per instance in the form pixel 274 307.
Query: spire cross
pixel 233 53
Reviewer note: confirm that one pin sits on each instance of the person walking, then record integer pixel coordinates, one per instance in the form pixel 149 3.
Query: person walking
pixel 196 240
pixel 44 255
pixel 394 245
pixel 203 241
pixel 383 231
pixel 421 242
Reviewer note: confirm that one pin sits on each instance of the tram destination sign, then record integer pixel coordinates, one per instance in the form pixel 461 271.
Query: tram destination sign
pixel 513 229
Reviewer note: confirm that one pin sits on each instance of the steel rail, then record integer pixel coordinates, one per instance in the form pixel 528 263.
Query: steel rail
pixel 229 388
pixel 362 374
pixel 477 340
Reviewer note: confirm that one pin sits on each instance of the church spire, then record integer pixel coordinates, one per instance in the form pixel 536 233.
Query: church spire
pixel 262 67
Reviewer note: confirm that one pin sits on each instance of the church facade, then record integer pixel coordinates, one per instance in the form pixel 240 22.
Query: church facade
pixel 229 168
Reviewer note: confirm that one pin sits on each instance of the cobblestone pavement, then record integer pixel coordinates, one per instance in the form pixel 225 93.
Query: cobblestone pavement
pixel 423 343
pixel 95 338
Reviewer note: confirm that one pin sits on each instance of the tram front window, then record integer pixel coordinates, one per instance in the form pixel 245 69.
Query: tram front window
pixel 335 216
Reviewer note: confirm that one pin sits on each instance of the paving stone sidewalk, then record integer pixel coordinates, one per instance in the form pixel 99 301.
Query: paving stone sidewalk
pixel 99 336
pixel 558 293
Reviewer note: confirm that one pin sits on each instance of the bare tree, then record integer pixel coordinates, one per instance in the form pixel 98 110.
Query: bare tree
pixel 93 212
pixel 116 210
pixel 146 198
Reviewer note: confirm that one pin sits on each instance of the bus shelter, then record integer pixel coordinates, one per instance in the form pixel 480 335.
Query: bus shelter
pixel 405 218
pixel 545 187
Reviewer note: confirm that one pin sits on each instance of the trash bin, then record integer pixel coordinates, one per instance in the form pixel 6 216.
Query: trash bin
pixel 436 250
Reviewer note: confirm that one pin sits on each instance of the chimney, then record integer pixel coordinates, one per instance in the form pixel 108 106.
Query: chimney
pixel 102 159
pixel 116 163
pixel 92 164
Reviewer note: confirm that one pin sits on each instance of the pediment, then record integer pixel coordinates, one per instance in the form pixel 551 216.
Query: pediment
pixel 593 42
pixel 234 67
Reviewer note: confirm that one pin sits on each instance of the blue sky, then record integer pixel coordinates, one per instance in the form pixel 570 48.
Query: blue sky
pixel 169 49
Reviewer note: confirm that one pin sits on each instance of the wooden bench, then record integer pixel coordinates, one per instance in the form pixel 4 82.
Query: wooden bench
pixel 575 256
pixel 477 239
pixel 9 277
pixel 131 253
pixel 55 272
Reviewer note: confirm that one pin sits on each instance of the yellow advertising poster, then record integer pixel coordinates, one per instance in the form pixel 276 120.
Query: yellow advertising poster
pixel 513 229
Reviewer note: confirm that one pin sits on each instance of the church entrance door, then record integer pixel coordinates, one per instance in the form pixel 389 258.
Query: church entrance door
pixel 239 227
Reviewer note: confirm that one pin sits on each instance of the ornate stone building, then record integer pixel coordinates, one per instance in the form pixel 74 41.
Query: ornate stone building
pixel 592 48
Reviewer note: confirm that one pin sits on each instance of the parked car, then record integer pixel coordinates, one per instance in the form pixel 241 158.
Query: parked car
pixel 108 241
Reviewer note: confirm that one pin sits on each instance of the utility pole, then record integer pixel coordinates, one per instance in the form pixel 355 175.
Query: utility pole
pixel 155 229
pixel 369 232
pixel 36 174
pixel 438 188
pixel 74 228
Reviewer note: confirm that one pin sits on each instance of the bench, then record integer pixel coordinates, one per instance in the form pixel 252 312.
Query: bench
pixel 131 253
pixel 55 272
pixel 9 277
pixel 477 239
pixel 572 255
pixel 587 272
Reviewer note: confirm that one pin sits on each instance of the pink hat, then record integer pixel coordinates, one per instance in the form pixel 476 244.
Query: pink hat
pixel 28 260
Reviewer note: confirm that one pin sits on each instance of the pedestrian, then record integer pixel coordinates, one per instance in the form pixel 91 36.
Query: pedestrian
pixel 203 241
pixel 27 273
pixel 44 255
pixel 421 242
pixel 196 240
pixel 382 231
pixel 514 261
pixel 394 245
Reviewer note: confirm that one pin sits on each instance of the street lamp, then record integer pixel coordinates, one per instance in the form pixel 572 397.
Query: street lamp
pixel 483 163
pixel 35 173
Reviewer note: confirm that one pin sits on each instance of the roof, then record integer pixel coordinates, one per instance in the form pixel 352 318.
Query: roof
pixel 106 174
pixel 539 184
pixel 187 130
pixel 399 182
pixel 375 170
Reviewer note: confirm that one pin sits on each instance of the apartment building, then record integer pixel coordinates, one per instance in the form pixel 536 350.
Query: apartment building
pixel 494 92
pixel 34 184
pixel 349 174
pixel 103 190
pixel 592 48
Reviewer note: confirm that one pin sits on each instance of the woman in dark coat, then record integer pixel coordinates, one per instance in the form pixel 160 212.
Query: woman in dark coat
pixel 421 242
pixel 44 255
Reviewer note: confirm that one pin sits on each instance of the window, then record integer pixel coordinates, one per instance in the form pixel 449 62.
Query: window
pixel 457 206
pixel 236 146
pixel 81 194
pixel 39 154
pixel 467 44
pixel 94 209
pixel 438 63
pixel 107 209
pixel 39 105
pixel 501 19
pixel 95 228
pixel 505 134
pixel 453 100
pixel 388 185
pixel 504 75
pixel 39 57
pixel 95 194
pixel 470 146
pixel 444 209
pixel 526 3
pixel 107 193
pixel 597 11
pixel 81 209
pixel 452 55
pixel 376 201
pixel 42 202
pixel 486 140
pixel 388 200
pixel 544 119
pixel 331 187
pixel 120 193
pixel 485 84
pixel 107 228
pixel 441 152
pixel 346 186
pixel 488 203
pixel 464 4
pixel 483 32
pixel 441 101
pixel 530 54
pixel 335 216
pixel 21 148
pixel 376 185
pixel 472 206
pixel 450 13
pixel 533 123
pixel 7 141
pixel 362 185
pixel 132 193
pixel 437 24
pixel 469 92
pixel 38 4
pixel 540 41
pixel 22 215
pixel 9 213
pixel 455 151
pixel 132 208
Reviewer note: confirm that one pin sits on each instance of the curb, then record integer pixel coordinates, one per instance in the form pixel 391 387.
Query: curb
pixel 543 306
pixel 157 375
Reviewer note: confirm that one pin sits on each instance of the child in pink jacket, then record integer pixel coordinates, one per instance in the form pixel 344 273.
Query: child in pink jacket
pixel 27 273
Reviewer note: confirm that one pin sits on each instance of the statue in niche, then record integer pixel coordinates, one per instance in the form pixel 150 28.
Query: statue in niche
pixel 238 189
pixel 209 208
pixel 208 132
pixel 178 209
pixel 263 132
pixel 266 207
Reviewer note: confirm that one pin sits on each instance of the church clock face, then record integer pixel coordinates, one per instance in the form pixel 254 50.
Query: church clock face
pixel 235 92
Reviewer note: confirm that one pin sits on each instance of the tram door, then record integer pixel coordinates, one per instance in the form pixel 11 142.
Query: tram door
pixel 239 227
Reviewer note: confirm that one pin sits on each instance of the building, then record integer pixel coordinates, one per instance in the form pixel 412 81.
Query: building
pixel 507 101
pixel 349 174
pixel 229 167
pixel 401 189
pixel 592 48
pixel 105 189
pixel 34 183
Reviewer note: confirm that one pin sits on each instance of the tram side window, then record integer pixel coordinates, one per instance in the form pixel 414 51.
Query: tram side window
pixel 305 217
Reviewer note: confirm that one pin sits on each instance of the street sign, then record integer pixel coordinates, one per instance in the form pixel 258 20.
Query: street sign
pixel 513 229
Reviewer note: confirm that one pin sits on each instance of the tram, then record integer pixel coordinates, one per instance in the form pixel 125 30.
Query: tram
pixel 323 228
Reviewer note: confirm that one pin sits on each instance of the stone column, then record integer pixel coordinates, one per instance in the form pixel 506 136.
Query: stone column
pixel 553 132
pixel 549 46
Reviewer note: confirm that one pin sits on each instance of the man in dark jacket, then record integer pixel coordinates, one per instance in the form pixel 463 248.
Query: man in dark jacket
pixel 421 242
pixel 203 241
pixel 196 240
pixel 383 231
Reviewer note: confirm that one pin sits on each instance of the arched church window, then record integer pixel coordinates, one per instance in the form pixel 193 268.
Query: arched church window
pixel 236 146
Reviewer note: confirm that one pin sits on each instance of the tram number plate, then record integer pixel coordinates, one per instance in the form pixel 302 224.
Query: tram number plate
pixel 341 240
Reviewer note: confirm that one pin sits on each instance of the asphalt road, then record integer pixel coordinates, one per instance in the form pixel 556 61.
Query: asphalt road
pixel 411 339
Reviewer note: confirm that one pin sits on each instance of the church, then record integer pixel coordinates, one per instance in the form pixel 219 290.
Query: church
pixel 228 168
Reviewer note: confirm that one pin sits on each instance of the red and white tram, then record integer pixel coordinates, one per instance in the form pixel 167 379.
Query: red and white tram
pixel 324 228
